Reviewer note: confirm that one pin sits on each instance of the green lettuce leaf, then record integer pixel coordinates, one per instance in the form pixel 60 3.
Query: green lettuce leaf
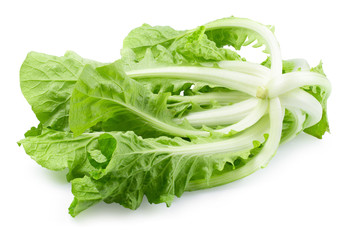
pixel 139 39
pixel 123 167
pixel 85 195
pixel 159 168
pixel 47 82
pixel 56 150
pixel 168 45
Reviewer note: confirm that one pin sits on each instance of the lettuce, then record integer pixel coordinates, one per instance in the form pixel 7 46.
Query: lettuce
pixel 179 111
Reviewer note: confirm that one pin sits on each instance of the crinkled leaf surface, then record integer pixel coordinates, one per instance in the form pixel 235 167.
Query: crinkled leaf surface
pixel 47 82
pixel 158 168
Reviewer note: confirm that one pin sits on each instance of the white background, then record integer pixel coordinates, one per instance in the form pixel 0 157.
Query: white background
pixel 310 190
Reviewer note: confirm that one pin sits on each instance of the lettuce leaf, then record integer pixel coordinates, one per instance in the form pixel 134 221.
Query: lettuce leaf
pixel 47 82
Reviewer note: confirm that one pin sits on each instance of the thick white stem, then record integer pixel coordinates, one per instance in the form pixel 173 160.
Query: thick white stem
pixel 222 116
pixel 234 80
pixel 208 98
pixel 247 67
pixel 249 120
pixel 240 142
pixel 272 143
pixel 295 80
pixel 300 99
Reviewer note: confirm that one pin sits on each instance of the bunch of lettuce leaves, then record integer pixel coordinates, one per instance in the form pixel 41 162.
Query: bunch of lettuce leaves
pixel 179 111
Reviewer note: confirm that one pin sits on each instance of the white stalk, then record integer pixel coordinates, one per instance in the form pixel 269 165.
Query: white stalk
pixel 223 115
pixel 207 98
pixel 247 67
pixel 234 80
pixel 240 142
pixel 272 143
pixel 295 80
pixel 249 120
pixel 300 99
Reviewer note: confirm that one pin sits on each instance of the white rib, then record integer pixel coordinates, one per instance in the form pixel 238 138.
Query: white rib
pixel 300 99
pixel 254 116
pixel 223 115
pixel 246 67
pixel 295 80
pixel 234 80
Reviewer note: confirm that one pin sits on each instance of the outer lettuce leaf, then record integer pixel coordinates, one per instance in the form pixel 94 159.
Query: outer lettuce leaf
pixel 47 82
pixel 85 195
pixel 56 150
pixel 123 167
pixel 155 168
pixel 59 150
